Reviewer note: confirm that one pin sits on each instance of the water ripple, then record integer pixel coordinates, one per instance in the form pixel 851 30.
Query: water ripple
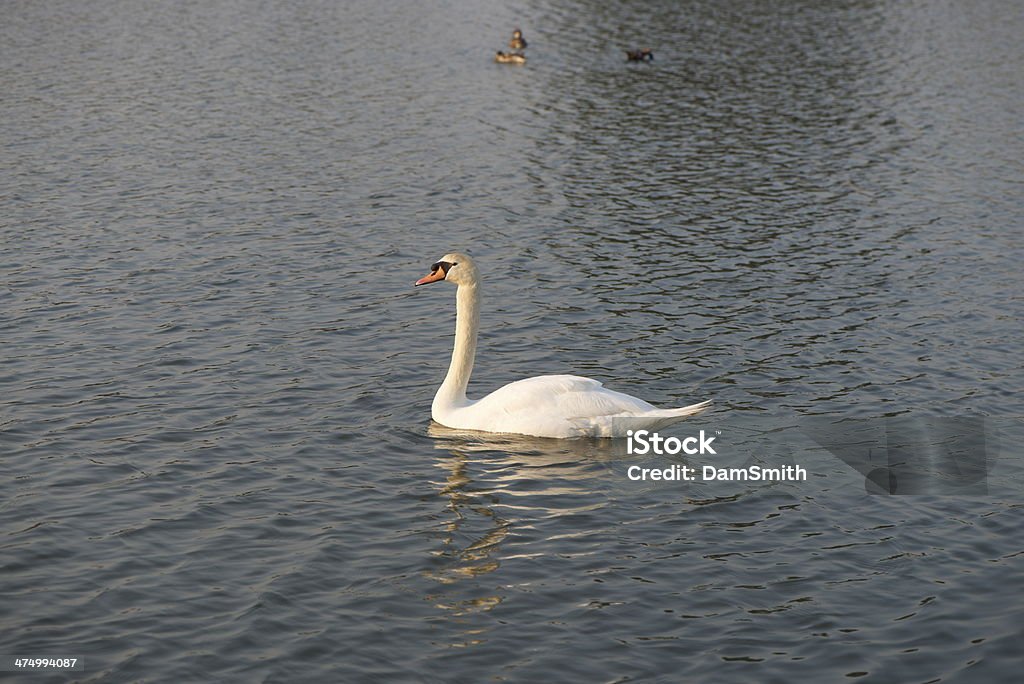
pixel 217 376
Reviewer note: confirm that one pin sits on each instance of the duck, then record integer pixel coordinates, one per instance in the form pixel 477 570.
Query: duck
pixel 640 55
pixel 510 57
pixel 517 42
pixel 556 406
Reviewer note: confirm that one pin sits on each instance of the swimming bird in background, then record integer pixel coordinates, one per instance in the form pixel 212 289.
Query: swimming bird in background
pixel 517 42
pixel 510 57
pixel 562 406
pixel 640 55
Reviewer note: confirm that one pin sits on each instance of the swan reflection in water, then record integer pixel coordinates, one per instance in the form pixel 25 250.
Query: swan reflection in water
pixel 540 476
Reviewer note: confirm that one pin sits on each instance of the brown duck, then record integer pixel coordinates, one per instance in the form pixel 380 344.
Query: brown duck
pixel 517 42
pixel 640 55
pixel 510 57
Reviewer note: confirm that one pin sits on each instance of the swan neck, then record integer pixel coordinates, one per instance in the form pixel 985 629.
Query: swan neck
pixel 467 319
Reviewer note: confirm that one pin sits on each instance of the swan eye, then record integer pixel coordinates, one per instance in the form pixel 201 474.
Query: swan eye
pixel 447 266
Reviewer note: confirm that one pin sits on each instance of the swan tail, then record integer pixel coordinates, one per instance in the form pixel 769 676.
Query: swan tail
pixel 619 425
pixel 665 417
pixel 691 410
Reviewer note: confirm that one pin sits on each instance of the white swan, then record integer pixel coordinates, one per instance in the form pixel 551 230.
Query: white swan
pixel 546 406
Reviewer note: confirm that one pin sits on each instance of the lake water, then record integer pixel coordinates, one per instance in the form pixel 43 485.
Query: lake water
pixel 217 456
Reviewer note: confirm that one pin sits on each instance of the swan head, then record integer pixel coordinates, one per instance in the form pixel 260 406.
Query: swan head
pixel 455 267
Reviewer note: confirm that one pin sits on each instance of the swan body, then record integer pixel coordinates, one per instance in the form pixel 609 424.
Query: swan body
pixel 558 406
pixel 561 406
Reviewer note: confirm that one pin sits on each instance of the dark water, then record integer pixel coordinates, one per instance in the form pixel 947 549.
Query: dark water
pixel 217 457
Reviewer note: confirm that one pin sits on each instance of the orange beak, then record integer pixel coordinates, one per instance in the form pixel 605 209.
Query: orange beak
pixel 436 274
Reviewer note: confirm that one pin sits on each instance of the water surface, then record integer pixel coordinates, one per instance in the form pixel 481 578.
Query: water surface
pixel 217 454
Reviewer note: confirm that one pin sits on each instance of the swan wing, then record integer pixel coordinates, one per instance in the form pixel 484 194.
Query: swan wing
pixel 565 406
pixel 571 396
